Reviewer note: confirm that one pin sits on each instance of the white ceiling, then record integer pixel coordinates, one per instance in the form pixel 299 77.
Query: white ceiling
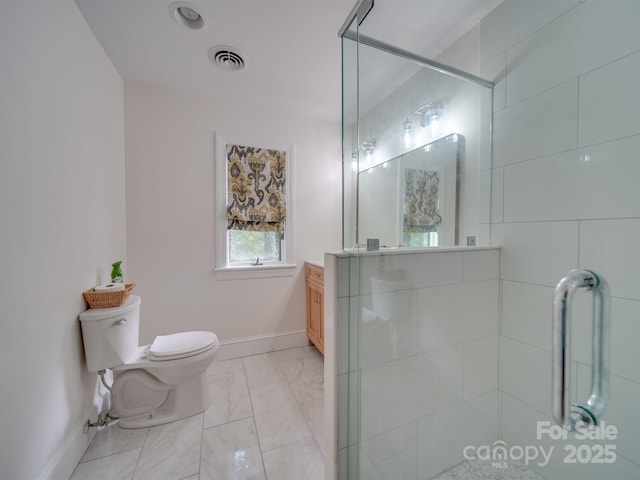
pixel 292 47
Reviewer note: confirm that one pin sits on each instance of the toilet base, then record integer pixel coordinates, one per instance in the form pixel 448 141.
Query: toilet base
pixel 144 401
pixel 144 421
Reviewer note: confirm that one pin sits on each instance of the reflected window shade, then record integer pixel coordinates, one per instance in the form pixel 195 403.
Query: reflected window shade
pixel 256 189
pixel 421 213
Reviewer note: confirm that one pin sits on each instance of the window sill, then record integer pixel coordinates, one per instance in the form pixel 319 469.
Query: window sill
pixel 251 271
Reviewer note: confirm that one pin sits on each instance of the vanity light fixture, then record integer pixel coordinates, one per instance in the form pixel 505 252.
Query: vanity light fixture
pixel 359 163
pixel 408 136
pixel 428 116
pixel 430 113
pixel 368 147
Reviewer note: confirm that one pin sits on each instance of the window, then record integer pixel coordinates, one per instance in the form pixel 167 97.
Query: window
pixel 253 209
pixel 246 246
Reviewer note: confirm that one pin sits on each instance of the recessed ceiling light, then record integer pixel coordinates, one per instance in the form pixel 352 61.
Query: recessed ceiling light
pixel 189 14
pixel 186 15
pixel 227 58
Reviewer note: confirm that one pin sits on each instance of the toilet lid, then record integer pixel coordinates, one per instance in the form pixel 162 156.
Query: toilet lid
pixel 180 345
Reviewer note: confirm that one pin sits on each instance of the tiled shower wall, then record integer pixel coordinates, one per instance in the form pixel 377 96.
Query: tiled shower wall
pixel 566 164
pixel 417 360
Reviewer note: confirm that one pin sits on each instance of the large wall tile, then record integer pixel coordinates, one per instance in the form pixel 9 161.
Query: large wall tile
pixel 609 101
pixel 519 420
pixel 454 314
pixel 353 408
pixel 625 332
pixel 497 195
pixel 519 423
pixel 526 313
pixel 342 336
pixel 513 21
pixel 486 125
pixel 397 393
pixel 442 437
pixel 496 71
pixel 481 265
pixel 525 373
pixel 539 252
pixel 347 278
pixel 484 234
pixel 585 38
pixel 393 454
pixel 387 326
pixel 599 181
pixel 532 189
pixel 610 248
pixel 541 125
pixel 621 412
pixel 449 365
pixel 480 367
pixel 342 417
pixel 393 272
pixel 484 198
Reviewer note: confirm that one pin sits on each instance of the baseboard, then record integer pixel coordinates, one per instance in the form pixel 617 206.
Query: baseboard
pixel 65 460
pixel 242 347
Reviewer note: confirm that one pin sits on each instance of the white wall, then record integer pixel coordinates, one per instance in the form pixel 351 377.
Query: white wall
pixel 170 214
pixel 62 211
pixel 565 169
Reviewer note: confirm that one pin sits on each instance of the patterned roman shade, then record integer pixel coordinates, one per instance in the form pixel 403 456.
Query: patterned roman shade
pixel 256 189
pixel 421 213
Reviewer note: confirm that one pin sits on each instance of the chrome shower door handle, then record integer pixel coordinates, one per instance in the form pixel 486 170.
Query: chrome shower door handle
pixel 566 413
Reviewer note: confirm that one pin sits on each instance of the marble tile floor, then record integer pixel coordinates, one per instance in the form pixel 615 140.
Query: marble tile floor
pixel 265 422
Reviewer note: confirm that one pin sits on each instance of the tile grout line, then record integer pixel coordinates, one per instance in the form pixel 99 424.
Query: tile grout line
pixel 253 418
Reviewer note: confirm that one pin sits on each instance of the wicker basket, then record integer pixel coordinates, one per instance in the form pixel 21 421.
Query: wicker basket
pixel 108 299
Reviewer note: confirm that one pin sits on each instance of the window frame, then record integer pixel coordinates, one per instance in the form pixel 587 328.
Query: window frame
pixel 223 270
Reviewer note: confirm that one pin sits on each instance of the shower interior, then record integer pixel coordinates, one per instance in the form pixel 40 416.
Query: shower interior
pixel 419 380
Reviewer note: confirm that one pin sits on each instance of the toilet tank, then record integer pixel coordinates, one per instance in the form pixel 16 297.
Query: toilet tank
pixel 110 335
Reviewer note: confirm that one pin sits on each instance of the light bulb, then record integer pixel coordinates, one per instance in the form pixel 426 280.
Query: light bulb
pixel 408 137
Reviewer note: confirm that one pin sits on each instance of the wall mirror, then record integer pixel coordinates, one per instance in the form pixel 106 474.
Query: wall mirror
pixel 412 200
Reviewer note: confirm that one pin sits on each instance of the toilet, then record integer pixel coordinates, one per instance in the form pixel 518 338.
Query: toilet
pixel 152 384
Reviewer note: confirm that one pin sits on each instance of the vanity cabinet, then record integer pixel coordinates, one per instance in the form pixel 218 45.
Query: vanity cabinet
pixel 314 276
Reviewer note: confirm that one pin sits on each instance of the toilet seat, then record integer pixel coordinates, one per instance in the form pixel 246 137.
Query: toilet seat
pixel 181 345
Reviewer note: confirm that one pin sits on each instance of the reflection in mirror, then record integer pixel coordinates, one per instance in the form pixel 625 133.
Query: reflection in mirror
pixel 412 200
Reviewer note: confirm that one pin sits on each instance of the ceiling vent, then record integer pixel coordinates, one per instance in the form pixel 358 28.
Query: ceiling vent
pixel 227 58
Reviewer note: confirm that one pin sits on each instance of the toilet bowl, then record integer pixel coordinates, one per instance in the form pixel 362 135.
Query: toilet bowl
pixel 153 384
